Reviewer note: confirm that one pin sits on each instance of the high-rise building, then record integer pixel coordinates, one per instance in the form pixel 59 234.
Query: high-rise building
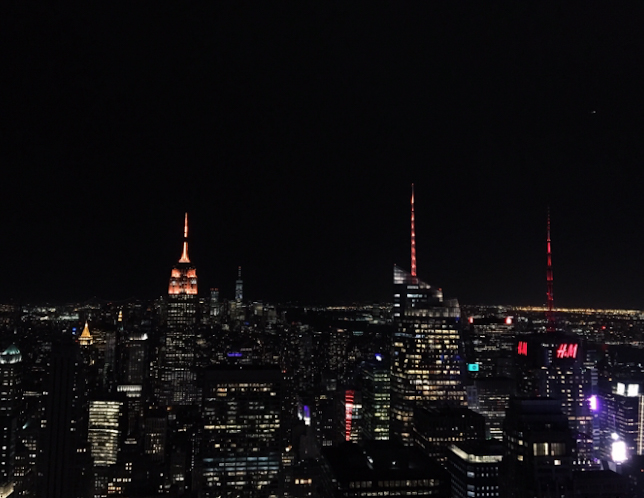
pixel 381 468
pixel 620 405
pixel 63 459
pixel 376 398
pixel 474 467
pixel 538 450
pixel 551 365
pixel 436 427
pixel 239 287
pixel 104 431
pixel 426 364
pixel 241 433
pixel 177 368
pixel 10 399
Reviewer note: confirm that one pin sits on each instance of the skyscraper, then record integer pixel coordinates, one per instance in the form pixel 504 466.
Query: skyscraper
pixel 177 370
pixel 241 435
pixel 10 398
pixel 239 287
pixel 426 365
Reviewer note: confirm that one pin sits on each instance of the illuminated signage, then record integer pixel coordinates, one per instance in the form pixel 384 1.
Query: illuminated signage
pixel 567 351
pixel 348 413
pixel 593 402
pixel 234 355
pixel 522 349
pixel 472 367
pixel 630 390
pixel 618 451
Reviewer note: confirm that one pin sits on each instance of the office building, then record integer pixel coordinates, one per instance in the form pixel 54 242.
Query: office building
pixel 436 428
pixel 242 438
pixel 620 406
pixel 426 363
pixel 474 467
pixel 552 365
pixel 381 468
pixel 10 404
pixel 376 398
pixel 538 450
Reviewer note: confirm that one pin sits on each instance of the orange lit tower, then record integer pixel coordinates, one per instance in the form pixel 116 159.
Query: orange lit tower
pixel 183 279
pixel 177 372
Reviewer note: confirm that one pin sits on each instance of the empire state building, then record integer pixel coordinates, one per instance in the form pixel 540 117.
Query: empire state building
pixel 177 372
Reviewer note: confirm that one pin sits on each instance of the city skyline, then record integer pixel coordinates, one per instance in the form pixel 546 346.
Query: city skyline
pixel 292 137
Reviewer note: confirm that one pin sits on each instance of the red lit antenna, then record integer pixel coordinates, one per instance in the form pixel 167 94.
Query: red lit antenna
pixel 550 313
pixel 413 235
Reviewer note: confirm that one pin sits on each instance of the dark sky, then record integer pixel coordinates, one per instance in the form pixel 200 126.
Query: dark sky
pixel 291 132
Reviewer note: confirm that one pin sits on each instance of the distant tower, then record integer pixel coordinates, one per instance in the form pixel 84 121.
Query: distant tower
pixel 178 377
pixel 550 313
pixel 426 363
pixel 85 338
pixel 239 287
pixel 183 279
pixel 413 235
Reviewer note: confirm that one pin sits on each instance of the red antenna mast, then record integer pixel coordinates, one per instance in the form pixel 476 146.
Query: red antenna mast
pixel 413 235
pixel 550 313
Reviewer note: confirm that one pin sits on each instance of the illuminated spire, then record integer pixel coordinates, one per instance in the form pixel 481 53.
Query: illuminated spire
pixel 184 255
pixel 85 338
pixel 550 313
pixel 413 235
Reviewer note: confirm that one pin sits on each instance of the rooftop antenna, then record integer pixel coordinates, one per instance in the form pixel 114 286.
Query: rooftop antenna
pixel 184 255
pixel 550 312
pixel 413 235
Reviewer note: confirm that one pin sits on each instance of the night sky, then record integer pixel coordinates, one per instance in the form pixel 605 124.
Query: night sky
pixel 291 133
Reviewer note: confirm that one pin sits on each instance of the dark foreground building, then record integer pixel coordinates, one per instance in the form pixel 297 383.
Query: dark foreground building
pixel 538 450
pixel 381 468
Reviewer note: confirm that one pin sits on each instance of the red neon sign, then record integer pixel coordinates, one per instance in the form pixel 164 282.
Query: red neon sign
pixel 523 348
pixel 567 351
pixel 348 413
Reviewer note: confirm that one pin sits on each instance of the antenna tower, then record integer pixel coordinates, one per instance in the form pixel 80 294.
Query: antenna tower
pixel 413 235
pixel 550 313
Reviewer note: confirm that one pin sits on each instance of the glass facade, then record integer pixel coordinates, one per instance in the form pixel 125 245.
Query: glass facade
pixel 426 364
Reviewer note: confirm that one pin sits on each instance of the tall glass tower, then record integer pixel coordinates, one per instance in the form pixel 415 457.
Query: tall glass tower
pixel 426 365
